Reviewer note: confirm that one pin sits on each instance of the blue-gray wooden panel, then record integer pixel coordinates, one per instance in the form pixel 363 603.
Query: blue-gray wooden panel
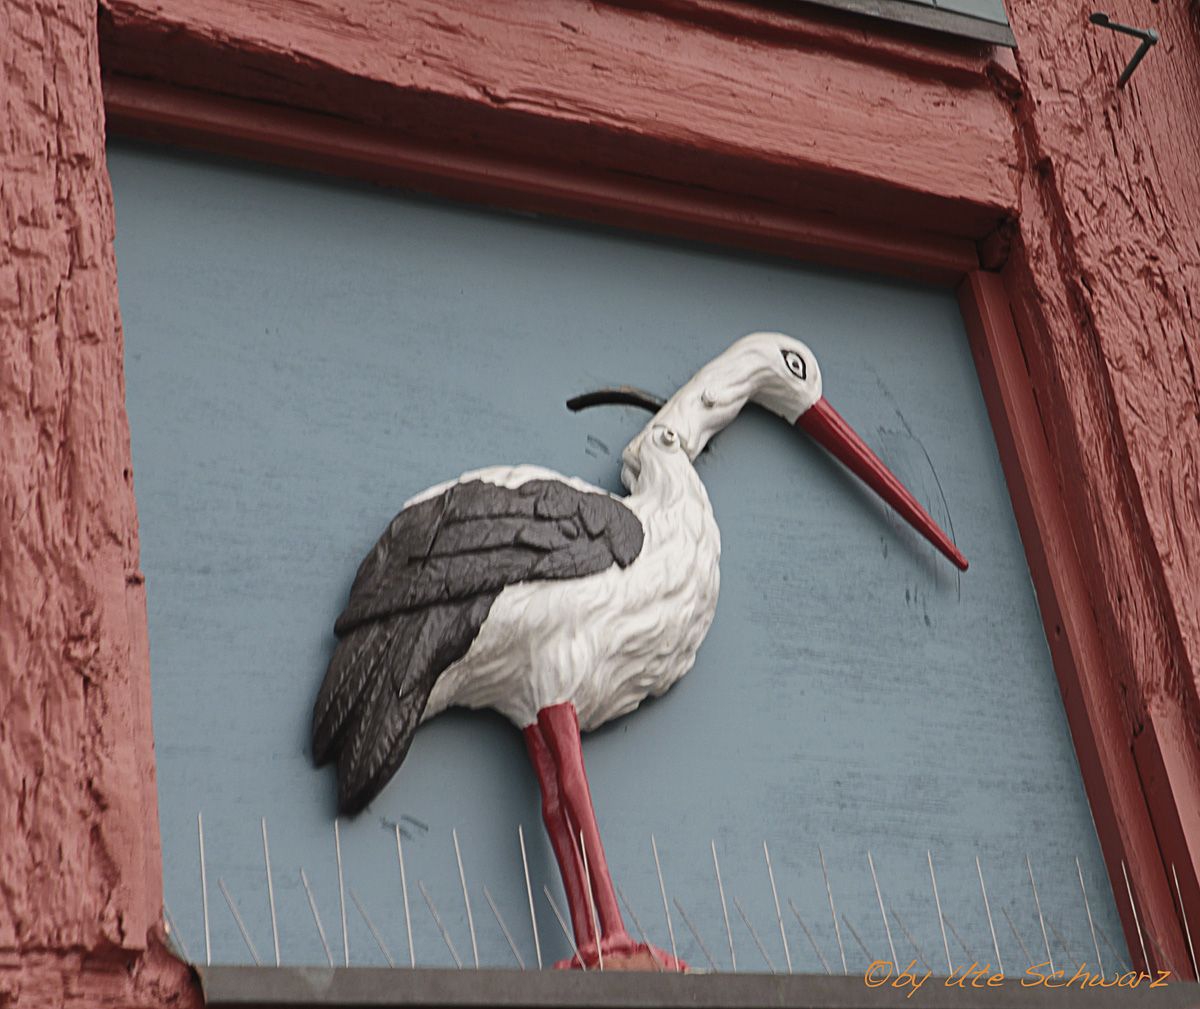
pixel 303 356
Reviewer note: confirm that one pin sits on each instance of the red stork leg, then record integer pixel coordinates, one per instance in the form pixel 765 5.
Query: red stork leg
pixel 560 730
pixel 563 837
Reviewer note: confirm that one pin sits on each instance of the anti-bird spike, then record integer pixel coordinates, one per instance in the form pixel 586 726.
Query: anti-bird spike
pixel 237 917
pixel 270 890
pixel 462 876
pixel 503 928
pixel 204 890
pixel 987 907
pixel 312 906
pixel 637 923
pixel 837 929
pixel 724 907
pixel 337 848
pixel 537 942
pixel 480 586
pixel 937 901
pixel 1087 906
pixel 412 955
pixel 437 920
pixel 811 939
pixel 882 911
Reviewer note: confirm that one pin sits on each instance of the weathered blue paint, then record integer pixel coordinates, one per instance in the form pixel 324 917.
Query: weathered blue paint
pixel 302 356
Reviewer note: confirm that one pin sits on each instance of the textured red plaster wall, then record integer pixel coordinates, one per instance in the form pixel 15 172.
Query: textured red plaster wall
pixel 1106 280
pixel 734 97
pixel 80 879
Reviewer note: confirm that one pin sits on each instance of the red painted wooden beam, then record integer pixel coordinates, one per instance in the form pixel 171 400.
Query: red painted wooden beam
pixel 297 139
pixel 1088 677
pixel 847 130
pixel 80 869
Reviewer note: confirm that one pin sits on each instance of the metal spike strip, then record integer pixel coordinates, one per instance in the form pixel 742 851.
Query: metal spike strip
pixel 412 955
pixel 387 953
pixel 238 918
pixel 270 890
pixel 437 920
pixel 462 878
pixel 837 929
pixel 724 908
pixel 174 934
pixel 1038 902
pixel 1136 921
pixel 754 935
pixel 1017 936
pixel 1091 923
pixel 503 928
pixel 988 908
pixel 811 940
pixel 587 879
pixel 537 943
pixel 912 942
pixel 1187 931
pixel 1097 932
pixel 312 904
pixel 563 925
pixel 204 890
pixel 637 924
pixel 941 919
pixel 666 909
pixel 787 953
pixel 857 938
pixel 882 912
pixel 695 935
pixel 337 847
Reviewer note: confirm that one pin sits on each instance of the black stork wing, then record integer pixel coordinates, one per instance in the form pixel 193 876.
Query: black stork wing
pixel 421 596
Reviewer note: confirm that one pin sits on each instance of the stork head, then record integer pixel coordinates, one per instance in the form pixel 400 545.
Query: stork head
pixel 781 374
pixel 775 371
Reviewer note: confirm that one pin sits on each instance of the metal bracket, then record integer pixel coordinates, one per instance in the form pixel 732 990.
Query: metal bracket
pixel 1148 36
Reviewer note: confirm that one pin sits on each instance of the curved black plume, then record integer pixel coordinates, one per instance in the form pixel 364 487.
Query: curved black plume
pixel 619 395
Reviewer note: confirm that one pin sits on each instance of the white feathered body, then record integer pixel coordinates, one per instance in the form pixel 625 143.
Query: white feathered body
pixel 606 641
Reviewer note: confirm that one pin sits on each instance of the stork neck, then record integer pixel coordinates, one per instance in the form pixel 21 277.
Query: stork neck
pixel 698 412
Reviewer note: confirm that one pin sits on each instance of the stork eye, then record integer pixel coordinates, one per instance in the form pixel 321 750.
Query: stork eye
pixel 795 364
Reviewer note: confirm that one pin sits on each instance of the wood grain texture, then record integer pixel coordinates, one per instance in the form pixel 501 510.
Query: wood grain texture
pixel 1103 280
pixel 620 88
pixel 80 870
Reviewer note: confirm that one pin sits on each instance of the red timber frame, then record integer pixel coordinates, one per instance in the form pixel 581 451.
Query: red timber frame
pixel 803 133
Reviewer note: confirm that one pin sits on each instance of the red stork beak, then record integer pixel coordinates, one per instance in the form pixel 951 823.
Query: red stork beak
pixel 828 427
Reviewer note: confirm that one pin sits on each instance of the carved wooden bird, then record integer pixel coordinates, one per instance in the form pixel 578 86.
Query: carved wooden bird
pixel 562 606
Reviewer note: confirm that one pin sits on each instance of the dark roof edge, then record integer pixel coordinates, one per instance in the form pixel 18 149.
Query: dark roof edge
pixel 924 16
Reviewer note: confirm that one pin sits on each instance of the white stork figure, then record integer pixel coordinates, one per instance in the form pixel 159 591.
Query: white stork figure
pixel 563 606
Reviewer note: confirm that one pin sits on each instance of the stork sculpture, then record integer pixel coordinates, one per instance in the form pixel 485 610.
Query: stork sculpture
pixel 562 606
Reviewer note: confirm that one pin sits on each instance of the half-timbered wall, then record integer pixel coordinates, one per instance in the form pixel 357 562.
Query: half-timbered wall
pixel 1082 196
